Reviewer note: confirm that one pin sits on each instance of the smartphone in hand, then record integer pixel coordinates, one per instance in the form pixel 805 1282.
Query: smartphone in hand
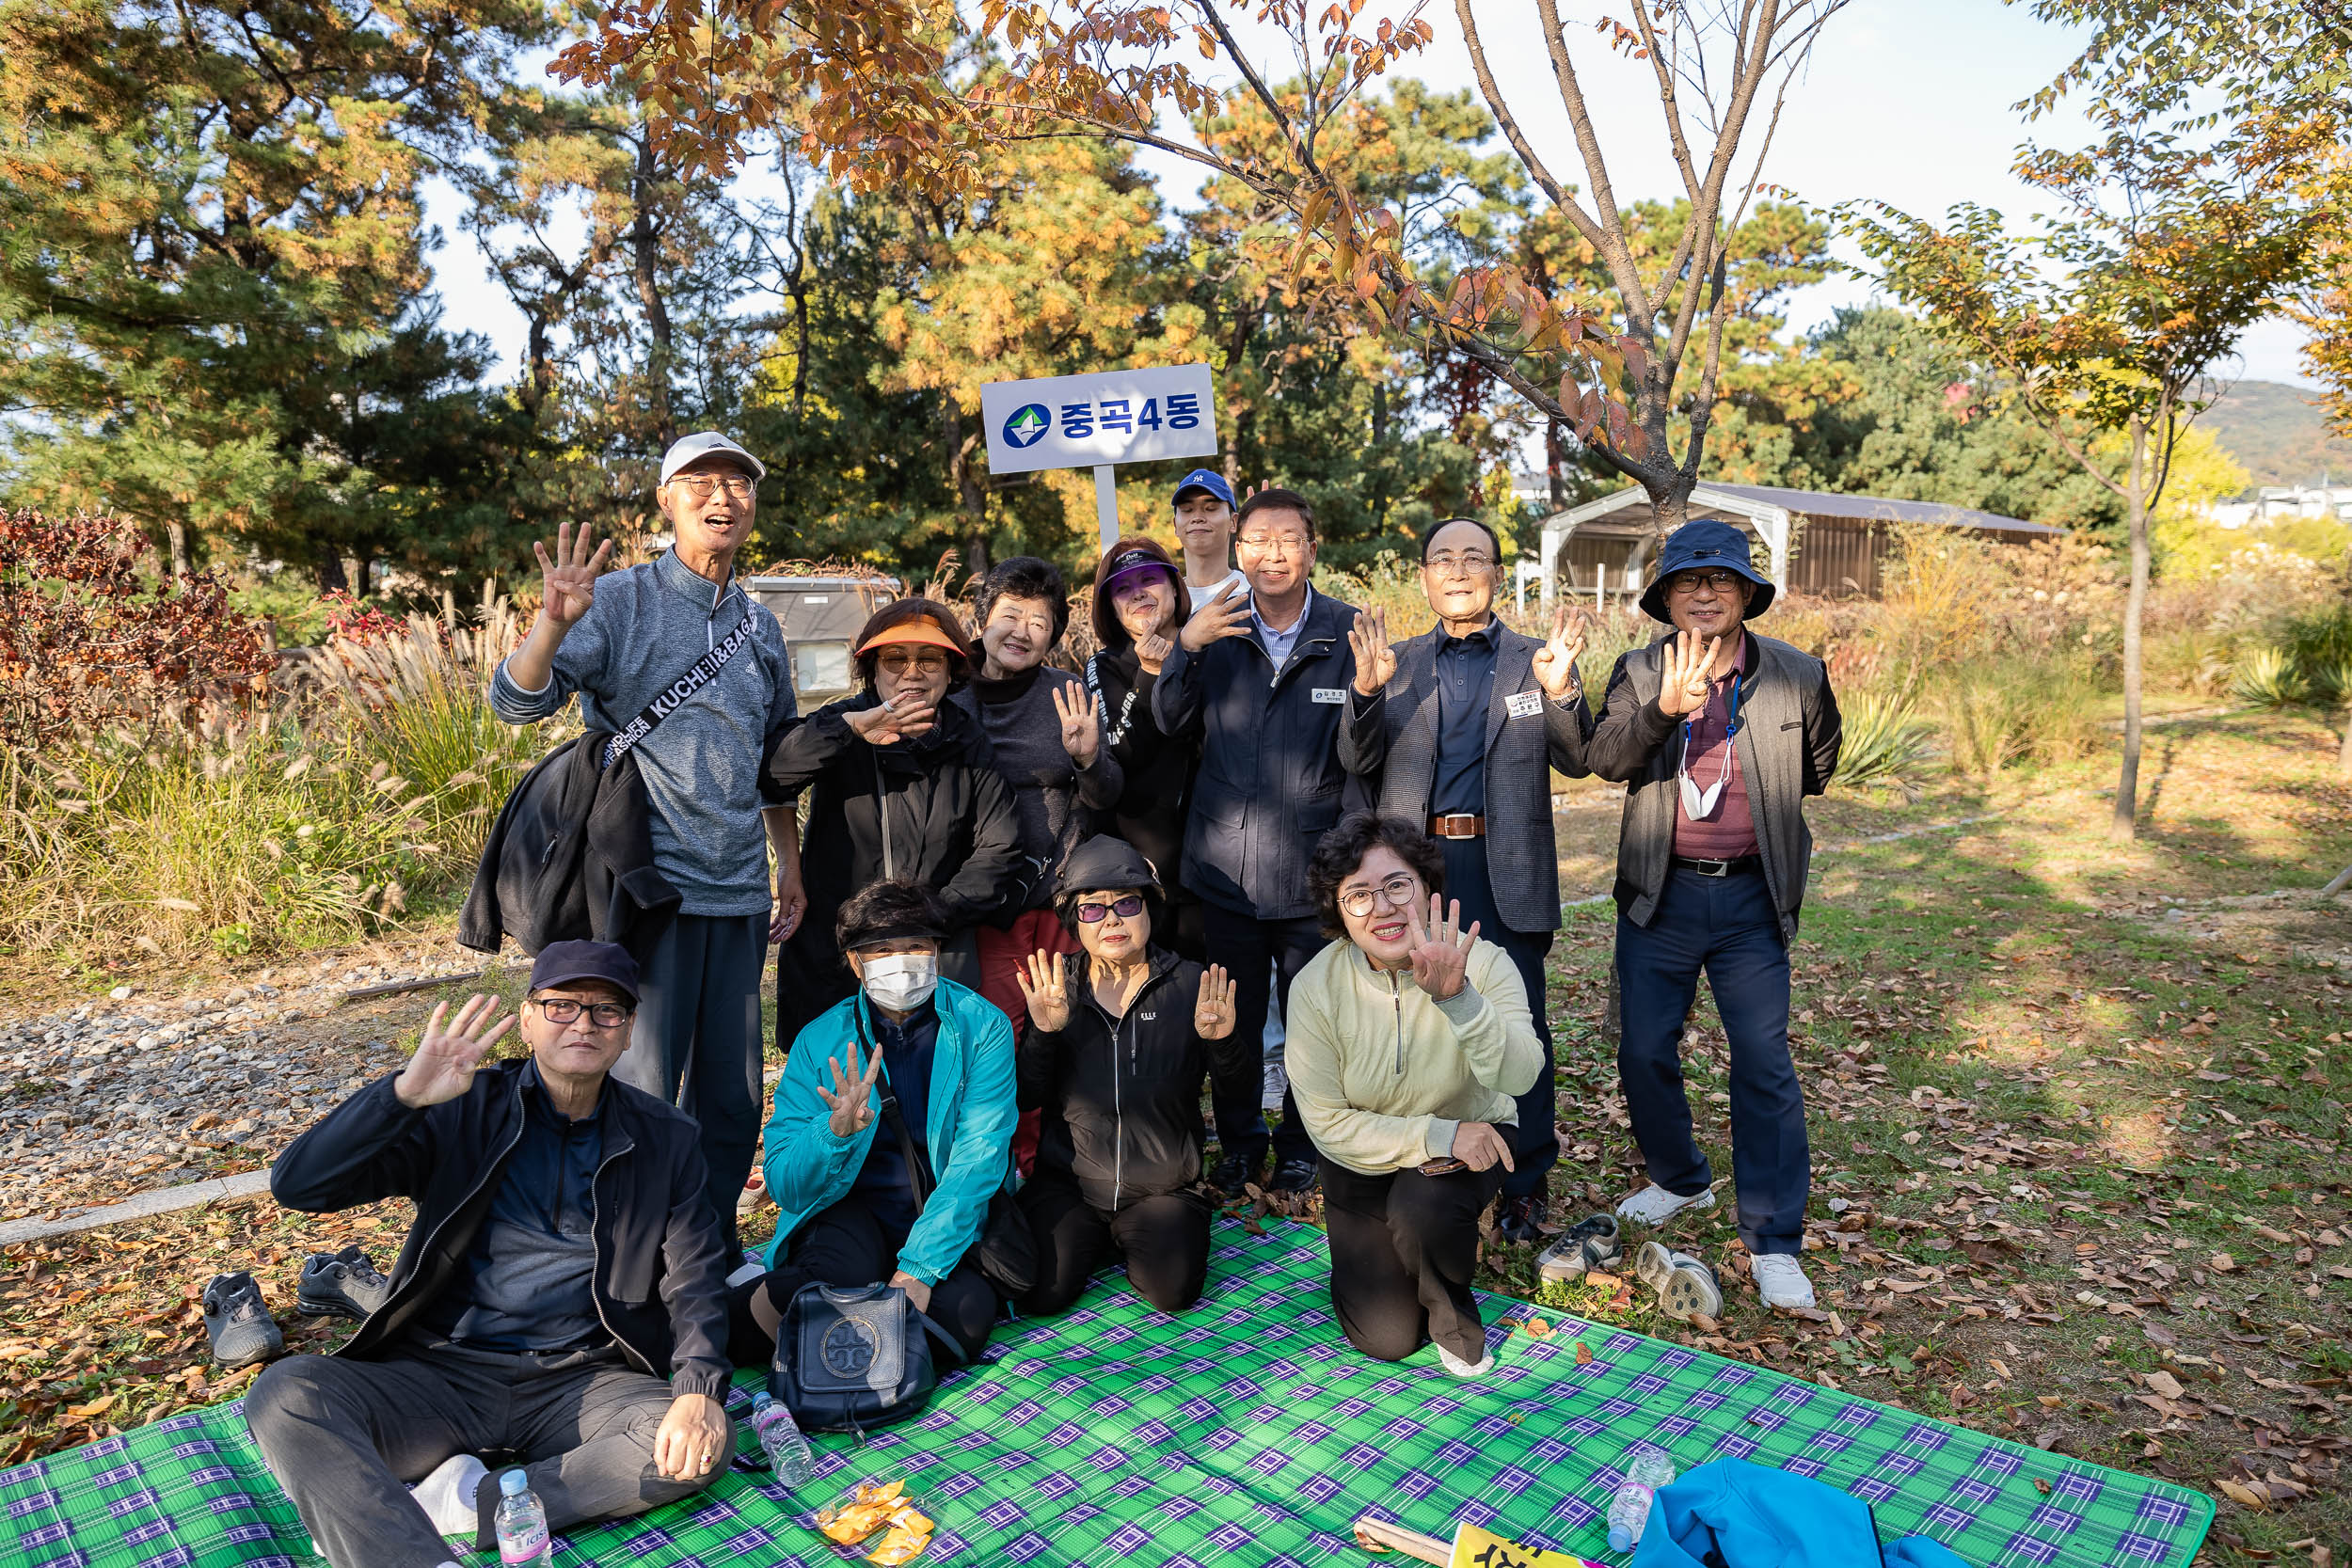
pixel 1445 1165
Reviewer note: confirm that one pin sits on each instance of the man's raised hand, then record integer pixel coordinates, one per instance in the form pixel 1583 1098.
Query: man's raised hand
pixel 1375 661
pixel 851 1097
pixel 1686 670
pixel 1080 730
pixel 1213 1014
pixel 1044 987
pixel 446 1058
pixel 1555 661
pixel 567 580
pixel 898 717
pixel 1441 949
pixel 1226 614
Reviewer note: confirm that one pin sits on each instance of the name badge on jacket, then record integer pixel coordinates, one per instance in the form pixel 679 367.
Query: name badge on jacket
pixel 1328 693
pixel 1523 705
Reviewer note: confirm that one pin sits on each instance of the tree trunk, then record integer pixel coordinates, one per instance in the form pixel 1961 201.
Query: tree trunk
pixel 1556 464
pixel 329 567
pixel 2344 753
pixel 176 536
pixel 2122 826
pixel 971 495
pixel 645 240
pixel 355 573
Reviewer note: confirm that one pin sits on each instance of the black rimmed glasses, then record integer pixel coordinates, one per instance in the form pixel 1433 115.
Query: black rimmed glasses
pixel 563 1009
pixel 1690 582
pixel 1399 892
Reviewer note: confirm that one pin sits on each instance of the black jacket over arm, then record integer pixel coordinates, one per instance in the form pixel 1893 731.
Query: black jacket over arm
pixel 660 1282
pixel 1789 736
pixel 1392 736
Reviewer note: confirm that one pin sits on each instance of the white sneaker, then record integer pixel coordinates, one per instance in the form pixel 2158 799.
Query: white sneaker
pixel 1780 1281
pixel 1456 1367
pixel 1654 1205
pixel 1278 1083
pixel 447 1495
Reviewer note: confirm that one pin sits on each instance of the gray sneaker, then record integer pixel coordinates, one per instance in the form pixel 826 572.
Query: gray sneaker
pixel 1592 1242
pixel 339 1284
pixel 238 1322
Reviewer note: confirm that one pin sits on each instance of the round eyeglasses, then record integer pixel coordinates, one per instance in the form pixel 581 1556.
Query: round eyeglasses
pixel 1399 892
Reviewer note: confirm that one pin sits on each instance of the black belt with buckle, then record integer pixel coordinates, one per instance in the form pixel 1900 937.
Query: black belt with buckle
pixel 1739 867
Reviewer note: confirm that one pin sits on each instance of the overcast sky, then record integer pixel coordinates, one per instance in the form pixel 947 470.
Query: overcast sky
pixel 1905 101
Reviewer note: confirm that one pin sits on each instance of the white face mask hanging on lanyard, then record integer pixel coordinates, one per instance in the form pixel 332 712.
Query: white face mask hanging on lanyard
pixel 1697 802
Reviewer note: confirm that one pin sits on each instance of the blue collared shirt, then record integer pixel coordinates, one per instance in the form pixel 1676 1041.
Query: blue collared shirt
pixel 1466 682
pixel 1280 643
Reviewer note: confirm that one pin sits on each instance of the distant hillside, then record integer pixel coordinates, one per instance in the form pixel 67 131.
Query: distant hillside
pixel 2276 433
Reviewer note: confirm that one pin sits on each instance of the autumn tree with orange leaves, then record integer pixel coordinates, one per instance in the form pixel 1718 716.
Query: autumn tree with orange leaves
pixel 883 96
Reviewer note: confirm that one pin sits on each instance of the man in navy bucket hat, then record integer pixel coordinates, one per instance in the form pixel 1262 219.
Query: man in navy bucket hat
pixel 1718 734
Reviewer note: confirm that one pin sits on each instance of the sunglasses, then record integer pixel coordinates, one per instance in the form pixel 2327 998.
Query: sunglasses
pixel 1126 909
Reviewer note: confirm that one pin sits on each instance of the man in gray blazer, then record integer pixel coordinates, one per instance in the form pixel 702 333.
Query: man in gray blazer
pixel 1462 726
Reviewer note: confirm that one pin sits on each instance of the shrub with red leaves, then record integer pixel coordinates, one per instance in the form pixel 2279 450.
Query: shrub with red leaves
pixel 91 631
pixel 352 622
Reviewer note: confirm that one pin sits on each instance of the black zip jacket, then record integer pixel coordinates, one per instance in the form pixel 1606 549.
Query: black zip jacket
pixel 1158 768
pixel 660 1282
pixel 1121 1100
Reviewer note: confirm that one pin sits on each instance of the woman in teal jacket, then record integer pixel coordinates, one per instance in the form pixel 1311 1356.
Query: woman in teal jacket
pixel 855 1210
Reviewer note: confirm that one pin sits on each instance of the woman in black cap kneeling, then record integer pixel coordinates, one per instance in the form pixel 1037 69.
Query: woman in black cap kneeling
pixel 1123 1034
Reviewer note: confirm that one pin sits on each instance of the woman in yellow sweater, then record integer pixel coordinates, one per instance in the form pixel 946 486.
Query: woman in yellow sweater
pixel 1409 1040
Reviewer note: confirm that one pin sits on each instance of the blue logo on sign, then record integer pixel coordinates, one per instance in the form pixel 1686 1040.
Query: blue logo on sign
pixel 1028 425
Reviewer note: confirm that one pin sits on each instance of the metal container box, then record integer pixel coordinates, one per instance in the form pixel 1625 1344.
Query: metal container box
pixel 820 615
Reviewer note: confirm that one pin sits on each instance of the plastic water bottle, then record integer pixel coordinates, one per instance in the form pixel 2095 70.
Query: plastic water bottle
pixel 1646 1469
pixel 787 1450
pixel 521 1522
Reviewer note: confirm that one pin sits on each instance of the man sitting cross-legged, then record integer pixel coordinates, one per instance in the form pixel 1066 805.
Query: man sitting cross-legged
pixel 560 1303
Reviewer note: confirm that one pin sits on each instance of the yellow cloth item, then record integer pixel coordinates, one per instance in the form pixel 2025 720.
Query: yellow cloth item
pixel 1384 1075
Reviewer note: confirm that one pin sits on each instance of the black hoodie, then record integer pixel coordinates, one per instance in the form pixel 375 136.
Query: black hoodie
pixel 1122 1098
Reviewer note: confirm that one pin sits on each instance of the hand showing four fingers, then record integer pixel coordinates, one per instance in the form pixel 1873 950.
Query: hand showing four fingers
pixel 1555 661
pixel 1081 729
pixel 1375 661
pixel 1686 669
pixel 567 580
pixel 1213 1014
pixel 851 1097
pixel 1441 949
pixel 1044 988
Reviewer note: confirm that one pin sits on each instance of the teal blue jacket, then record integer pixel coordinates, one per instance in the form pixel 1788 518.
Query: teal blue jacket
pixel 968 1132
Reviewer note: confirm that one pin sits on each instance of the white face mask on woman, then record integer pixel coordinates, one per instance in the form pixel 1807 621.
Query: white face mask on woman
pixel 901 981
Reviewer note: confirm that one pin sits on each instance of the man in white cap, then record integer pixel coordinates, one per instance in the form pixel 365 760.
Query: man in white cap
pixel 619 640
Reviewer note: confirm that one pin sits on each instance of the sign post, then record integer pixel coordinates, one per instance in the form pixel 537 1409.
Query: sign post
pixel 1099 422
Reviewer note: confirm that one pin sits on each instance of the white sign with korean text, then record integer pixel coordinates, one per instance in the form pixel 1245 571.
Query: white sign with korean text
pixel 1080 422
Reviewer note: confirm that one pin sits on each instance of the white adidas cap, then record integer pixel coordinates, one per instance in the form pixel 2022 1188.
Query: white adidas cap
pixel 703 443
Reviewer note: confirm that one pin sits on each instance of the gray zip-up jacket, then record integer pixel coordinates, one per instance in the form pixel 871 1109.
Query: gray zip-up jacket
pixel 702 765
pixel 1789 736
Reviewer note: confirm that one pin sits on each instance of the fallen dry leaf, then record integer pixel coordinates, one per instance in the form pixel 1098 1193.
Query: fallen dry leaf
pixel 95 1407
pixel 2165 1383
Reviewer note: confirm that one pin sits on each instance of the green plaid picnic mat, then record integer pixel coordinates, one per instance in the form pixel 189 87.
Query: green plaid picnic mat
pixel 1244 1431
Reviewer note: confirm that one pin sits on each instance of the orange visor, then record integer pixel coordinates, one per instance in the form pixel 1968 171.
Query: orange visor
pixel 922 628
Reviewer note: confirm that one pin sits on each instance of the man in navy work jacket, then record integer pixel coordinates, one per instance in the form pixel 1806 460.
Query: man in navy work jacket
pixel 560 1303
pixel 1261 680
pixel 1719 736
pixel 1462 726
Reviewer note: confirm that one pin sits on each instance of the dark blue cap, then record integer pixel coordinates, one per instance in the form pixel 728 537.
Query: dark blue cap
pixel 1205 479
pixel 1697 547
pixel 560 963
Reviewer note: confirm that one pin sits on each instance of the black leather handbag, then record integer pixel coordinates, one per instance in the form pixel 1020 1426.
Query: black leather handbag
pixel 851 1360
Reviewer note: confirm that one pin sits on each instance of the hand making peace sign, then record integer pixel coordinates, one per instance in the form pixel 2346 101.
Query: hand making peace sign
pixel 1375 661
pixel 1044 987
pixel 1213 1014
pixel 851 1098
pixel 1441 949
pixel 1555 661
pixel 568 579
pixel 1081 731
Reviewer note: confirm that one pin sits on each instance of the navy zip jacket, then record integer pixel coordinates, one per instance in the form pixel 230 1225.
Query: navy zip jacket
pixel 659 1281
pixel 1270 782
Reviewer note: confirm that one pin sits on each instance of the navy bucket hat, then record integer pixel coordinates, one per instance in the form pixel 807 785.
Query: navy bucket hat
pixel 1700 545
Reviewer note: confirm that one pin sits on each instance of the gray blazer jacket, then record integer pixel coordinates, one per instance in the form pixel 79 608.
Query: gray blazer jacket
pixel 1788 742
pixel 1393 737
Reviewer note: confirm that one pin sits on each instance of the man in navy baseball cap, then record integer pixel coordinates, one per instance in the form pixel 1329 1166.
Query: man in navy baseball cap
pixel 1204 527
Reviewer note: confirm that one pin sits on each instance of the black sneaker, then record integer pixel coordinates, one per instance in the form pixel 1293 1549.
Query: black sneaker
pixel 339 1284
pixel 238 1322
pixel 1519 1218
pixel 1232 1174
pixel 1294 1176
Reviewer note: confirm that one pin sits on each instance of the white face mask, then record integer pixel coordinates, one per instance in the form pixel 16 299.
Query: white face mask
pixel 901 981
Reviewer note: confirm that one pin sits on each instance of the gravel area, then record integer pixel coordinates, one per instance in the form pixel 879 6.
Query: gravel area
pixel 127 1094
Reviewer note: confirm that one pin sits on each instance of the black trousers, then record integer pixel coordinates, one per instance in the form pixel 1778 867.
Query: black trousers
pixel 1260 954
pixel 1537 1148
pixel 344 1439
pixel 1164 1240
pixel 1727 927
pixel 697 1042
pixel 1404 1250
pixel 846 1245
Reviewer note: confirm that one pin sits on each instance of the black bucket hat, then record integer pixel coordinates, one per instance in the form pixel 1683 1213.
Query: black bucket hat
pixel 1105 862
pixel 1704 544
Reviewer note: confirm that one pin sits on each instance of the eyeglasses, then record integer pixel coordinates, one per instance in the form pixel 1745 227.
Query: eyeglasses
pixel 1447 562
pixel 1687 582
pixel 1398 892
pixel 898 661
pixel 701 486
pixel 562 1009
pixel 1126 909
pixel 1276 544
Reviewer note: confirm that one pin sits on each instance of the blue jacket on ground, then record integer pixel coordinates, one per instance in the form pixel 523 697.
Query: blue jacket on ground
pixel 1754 1517
pixel 968 1127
